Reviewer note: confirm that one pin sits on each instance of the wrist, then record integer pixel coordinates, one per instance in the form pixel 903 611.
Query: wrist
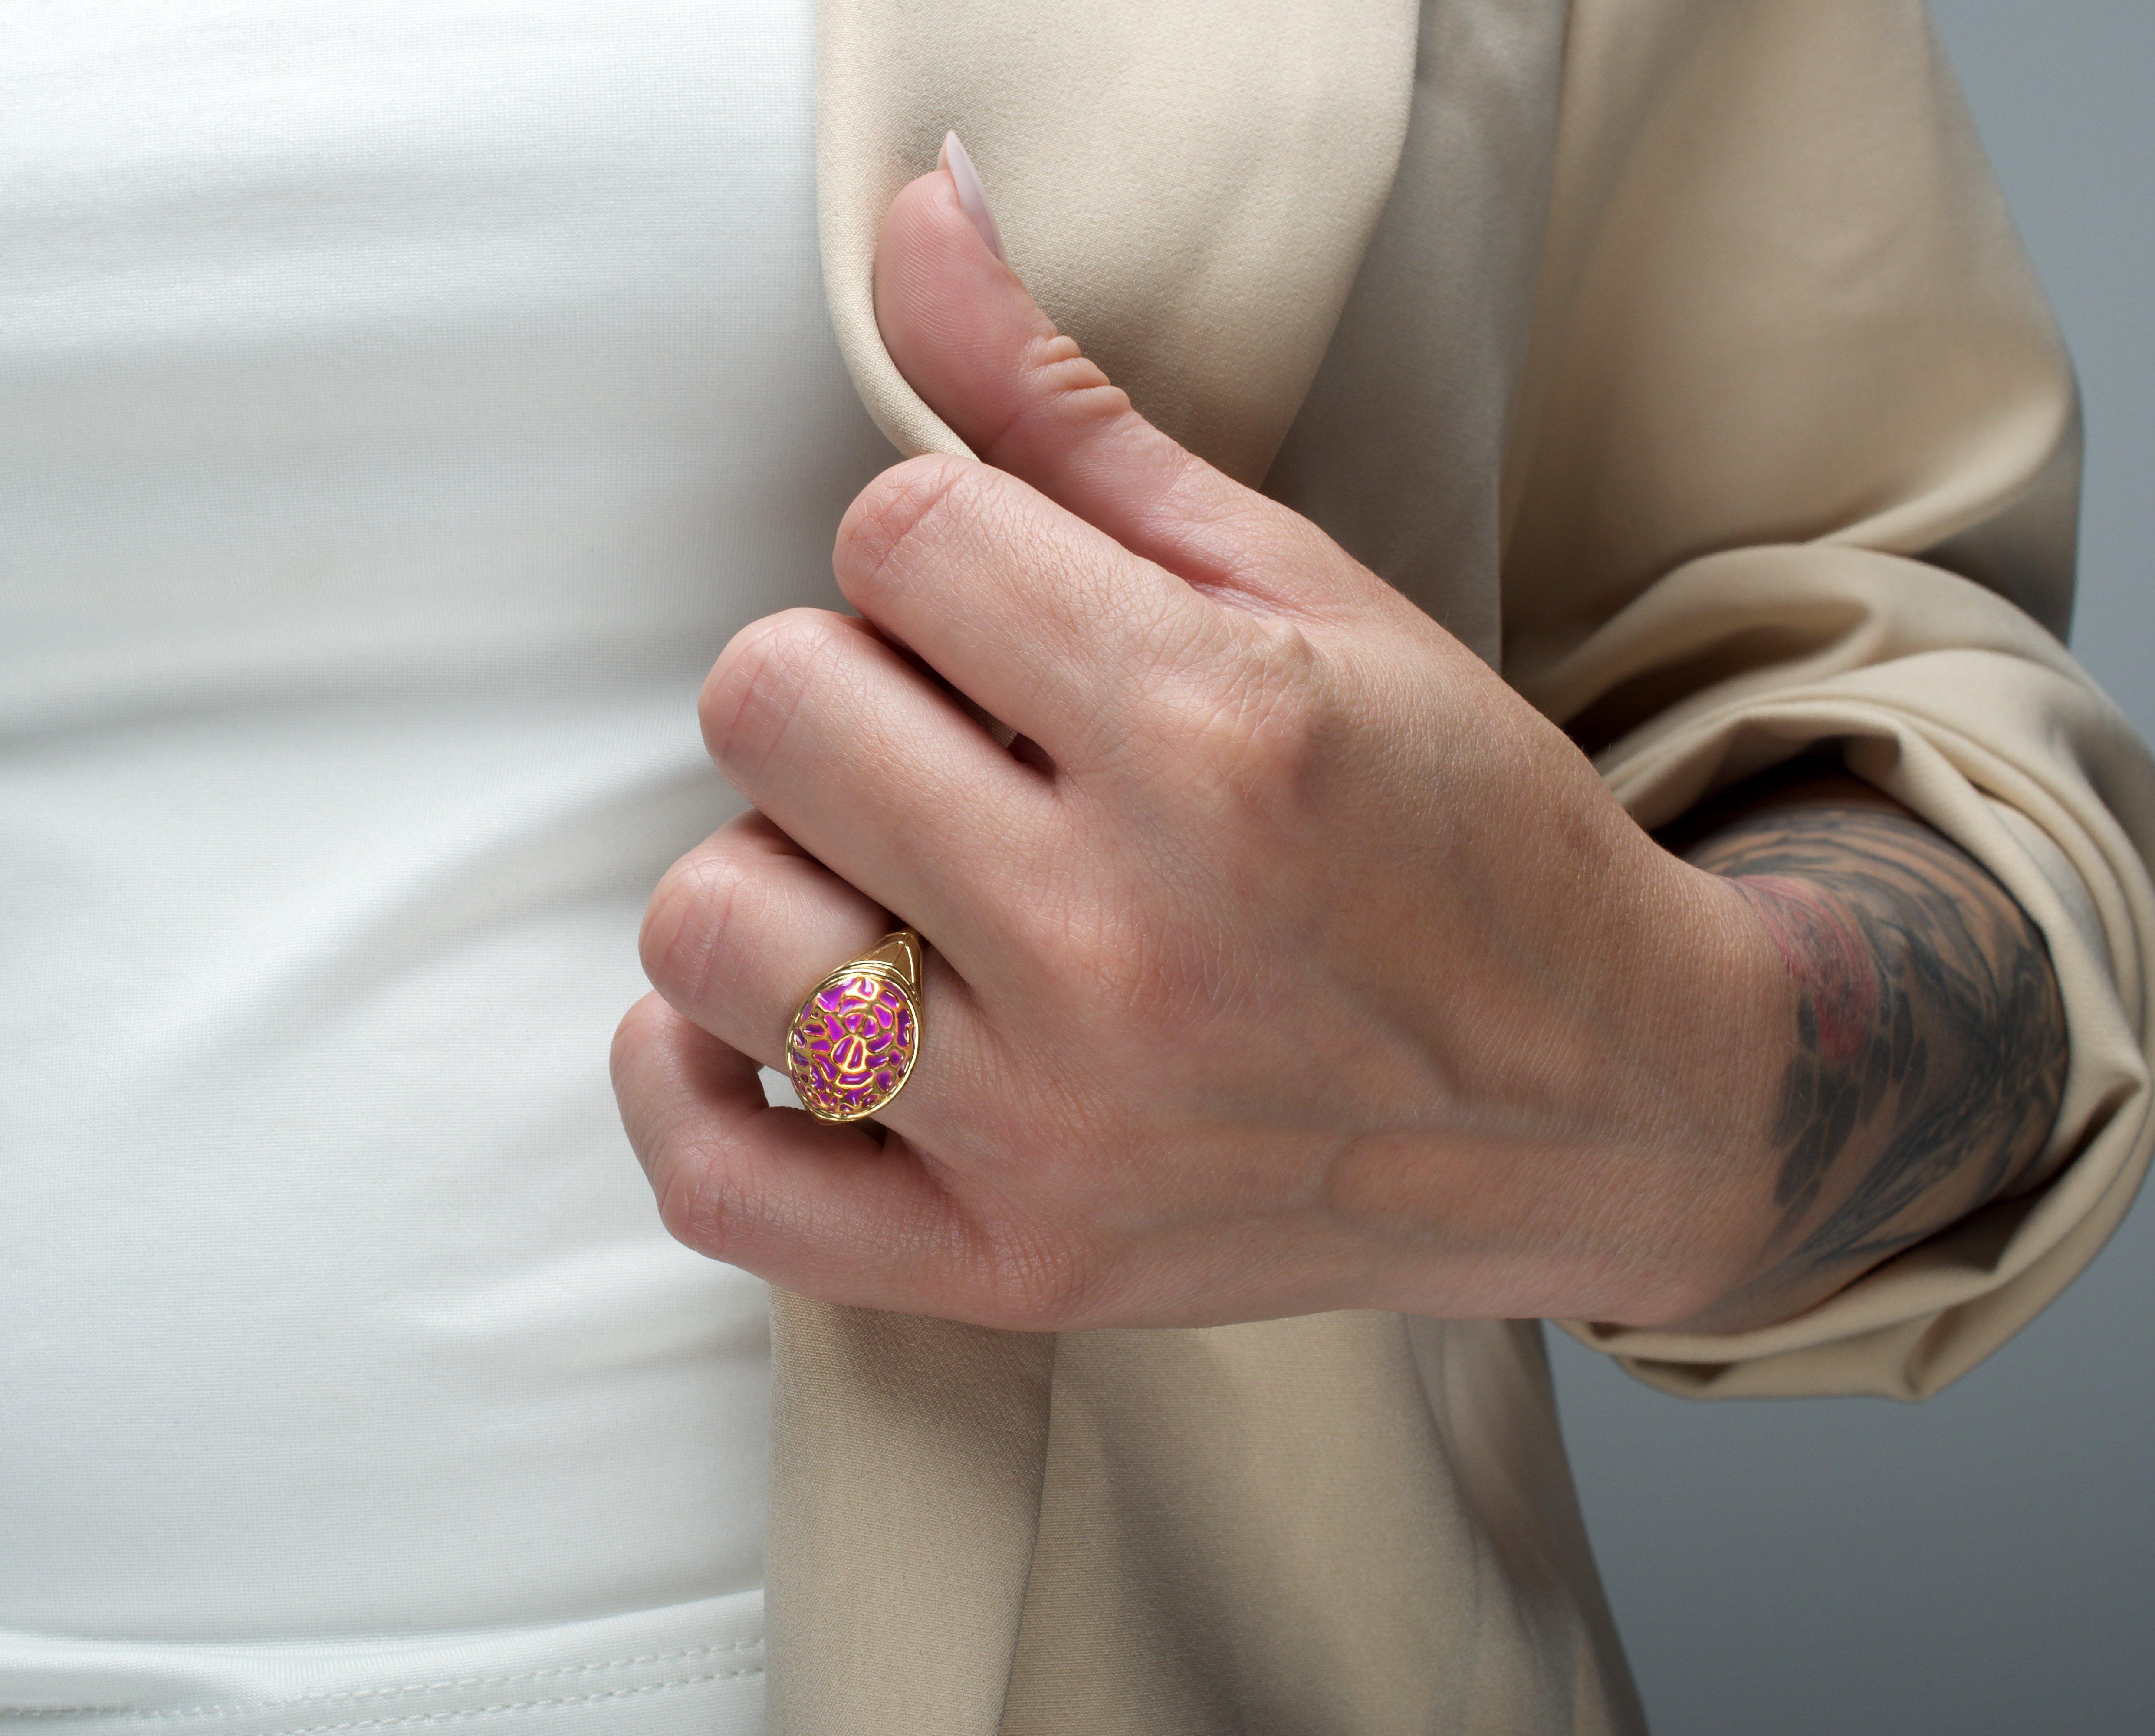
pixel 1798 976
pixel 1719 1009
pixel 1641 1201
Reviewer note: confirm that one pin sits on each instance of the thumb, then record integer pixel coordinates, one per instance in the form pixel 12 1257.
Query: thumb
pixel 971 340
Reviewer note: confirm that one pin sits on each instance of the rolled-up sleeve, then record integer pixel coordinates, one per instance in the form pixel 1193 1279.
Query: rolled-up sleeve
pixel 1794 465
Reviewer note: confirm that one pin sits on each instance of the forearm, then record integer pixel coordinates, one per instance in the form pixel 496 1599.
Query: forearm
pixel 1925 1050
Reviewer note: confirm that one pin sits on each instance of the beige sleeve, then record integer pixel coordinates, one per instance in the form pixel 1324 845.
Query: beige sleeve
pixel 1795 462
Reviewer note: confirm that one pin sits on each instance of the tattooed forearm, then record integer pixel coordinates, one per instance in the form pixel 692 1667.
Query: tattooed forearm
pixel 1929 1051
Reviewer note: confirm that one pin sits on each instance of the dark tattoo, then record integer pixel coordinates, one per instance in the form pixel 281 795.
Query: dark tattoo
pixel 1931 1045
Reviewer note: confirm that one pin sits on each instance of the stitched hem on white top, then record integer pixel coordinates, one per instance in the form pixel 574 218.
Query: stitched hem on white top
pixel 693 1669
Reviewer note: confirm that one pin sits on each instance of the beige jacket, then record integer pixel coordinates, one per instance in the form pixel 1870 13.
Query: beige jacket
pixel 1679 357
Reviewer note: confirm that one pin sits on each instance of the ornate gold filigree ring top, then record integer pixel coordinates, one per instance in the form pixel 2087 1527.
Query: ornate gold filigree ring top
pixel 850 1047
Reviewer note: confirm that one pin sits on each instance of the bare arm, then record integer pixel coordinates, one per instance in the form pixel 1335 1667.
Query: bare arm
pixel 1926 1049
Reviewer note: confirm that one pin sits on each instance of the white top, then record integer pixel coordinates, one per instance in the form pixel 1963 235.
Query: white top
pixel 399 407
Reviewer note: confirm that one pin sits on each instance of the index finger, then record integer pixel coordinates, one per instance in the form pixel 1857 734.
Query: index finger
pixel 1047 624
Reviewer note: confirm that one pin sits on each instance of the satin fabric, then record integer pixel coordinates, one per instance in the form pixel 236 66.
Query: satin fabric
pixel 1680 357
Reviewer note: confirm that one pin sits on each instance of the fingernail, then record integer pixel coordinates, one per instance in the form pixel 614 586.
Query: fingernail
pixel 972 196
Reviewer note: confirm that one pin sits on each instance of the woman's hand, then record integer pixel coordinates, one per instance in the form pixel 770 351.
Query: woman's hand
pixel 1287 962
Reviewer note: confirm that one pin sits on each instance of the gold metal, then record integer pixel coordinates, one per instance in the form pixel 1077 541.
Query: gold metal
pixel 853 1042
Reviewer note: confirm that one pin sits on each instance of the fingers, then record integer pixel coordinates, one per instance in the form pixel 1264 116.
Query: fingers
pixel 741 929
pixel 834 1211
pixel 877 774
pixel 972 342
pixel 1069 586
pixel 1048 624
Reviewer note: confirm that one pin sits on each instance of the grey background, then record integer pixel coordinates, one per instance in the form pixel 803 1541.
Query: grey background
pixel 1984 1562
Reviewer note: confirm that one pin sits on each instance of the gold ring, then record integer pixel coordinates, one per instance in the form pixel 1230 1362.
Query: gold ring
pixel 850 1047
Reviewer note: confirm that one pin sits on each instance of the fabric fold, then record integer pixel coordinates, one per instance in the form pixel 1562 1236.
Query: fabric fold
pixel 692 1668
pixel 908 1458
pixel 1795 471
pixel 1681 359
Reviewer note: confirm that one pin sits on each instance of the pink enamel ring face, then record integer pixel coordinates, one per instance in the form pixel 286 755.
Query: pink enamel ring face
pixel 852 1044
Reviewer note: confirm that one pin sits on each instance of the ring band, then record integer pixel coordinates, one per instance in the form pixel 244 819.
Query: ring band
pixel 850 1047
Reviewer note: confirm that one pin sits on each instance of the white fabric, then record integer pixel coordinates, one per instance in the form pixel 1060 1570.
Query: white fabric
pixel 400 405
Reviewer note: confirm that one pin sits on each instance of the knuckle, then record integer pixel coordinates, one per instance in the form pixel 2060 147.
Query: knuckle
pixel 1260 735
pixel 692 912
pixel 689 1156
pixel 696 1177
pixel 756 686
pixel 1062 394
pixel 631 1037
pixel 1279 740
pixel 692 1206
pixel 898 516
pixel 675 1168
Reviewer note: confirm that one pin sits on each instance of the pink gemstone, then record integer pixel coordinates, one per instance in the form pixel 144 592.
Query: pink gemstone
pixel 851 1046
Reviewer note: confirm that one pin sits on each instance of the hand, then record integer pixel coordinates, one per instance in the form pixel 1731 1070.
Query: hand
pixel 1287 961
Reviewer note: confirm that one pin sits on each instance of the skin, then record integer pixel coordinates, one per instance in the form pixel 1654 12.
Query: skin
pixel 1929 1051
pixel 1287 959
